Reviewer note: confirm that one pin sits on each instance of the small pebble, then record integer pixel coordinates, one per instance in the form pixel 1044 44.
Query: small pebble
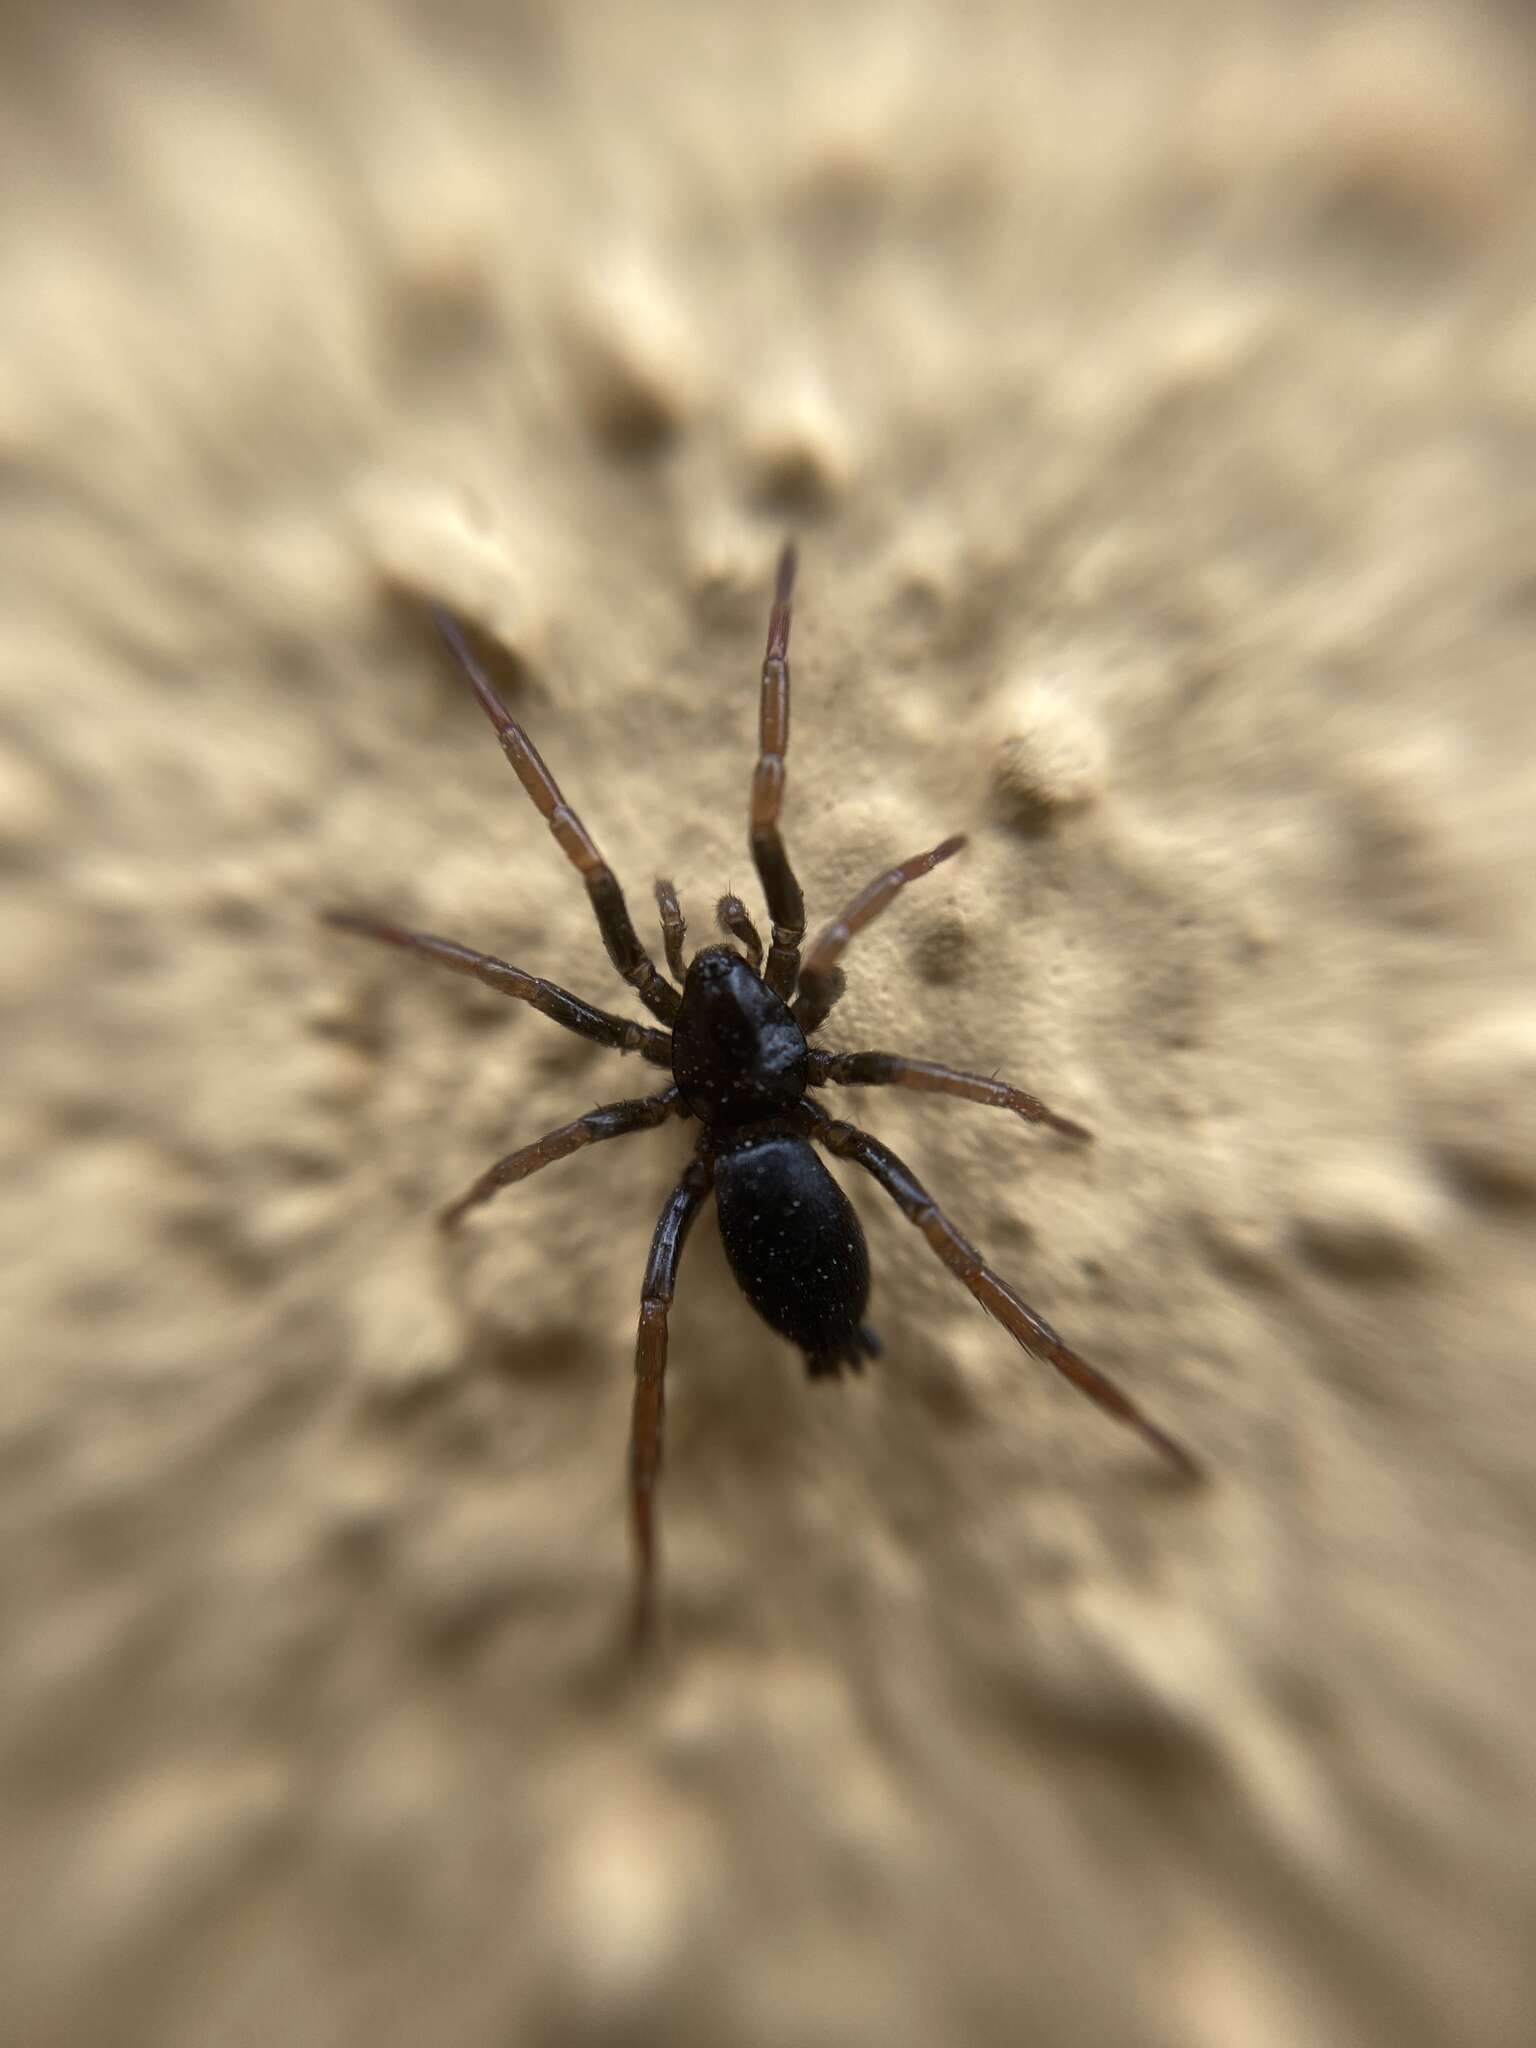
pixel 406 1338
pixel 1050 756
pixel 1365 1217
pixel 1477 1091
pixel 799 454
pixel 634 370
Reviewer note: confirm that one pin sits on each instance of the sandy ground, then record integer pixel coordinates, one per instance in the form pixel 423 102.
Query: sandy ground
pixel 1153 392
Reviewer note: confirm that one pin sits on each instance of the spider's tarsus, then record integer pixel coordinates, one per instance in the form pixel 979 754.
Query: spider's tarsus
pixel 447 624
pixel 784 576
pixel 640 1641
pixel 956 843
pixel 1185 1463
pixel 778 617
pixel 458 646
pixel 1063 1125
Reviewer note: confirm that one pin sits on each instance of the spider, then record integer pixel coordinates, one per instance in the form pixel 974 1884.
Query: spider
pixel 736 1048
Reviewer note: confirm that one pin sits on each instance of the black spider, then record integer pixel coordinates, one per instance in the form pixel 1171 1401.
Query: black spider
pixel 740 1063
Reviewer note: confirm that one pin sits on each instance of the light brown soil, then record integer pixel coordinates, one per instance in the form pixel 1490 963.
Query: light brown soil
pixel 1152 392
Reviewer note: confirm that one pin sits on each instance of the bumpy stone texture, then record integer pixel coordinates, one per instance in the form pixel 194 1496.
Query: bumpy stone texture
pixel 1151 392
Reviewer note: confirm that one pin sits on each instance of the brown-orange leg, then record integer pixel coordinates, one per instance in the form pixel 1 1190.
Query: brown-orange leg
pixel 601 1026
pixel 672 1227
pixel 674 929
pixel 735 920
pixel 893 1070
pixel 820 981
pixel 786 905
pixel 572 837
pixel 847 1141
pixel 611 1120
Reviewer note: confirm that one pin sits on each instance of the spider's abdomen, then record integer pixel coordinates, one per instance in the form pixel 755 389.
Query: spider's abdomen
pixel 795 1247
pixel 737 1054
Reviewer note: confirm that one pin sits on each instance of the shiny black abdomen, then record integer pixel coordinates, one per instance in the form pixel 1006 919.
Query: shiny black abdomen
pixel 794 1244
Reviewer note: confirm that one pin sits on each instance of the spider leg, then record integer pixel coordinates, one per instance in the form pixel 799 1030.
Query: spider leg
pixel 820 981
pixel 611 1120
pixel 846 1141
pixel 572 837
pixel 601 1026
pixel 672 1227
pixel 894 1070
pixel 786 905
pixel 674 928
pixel 735 920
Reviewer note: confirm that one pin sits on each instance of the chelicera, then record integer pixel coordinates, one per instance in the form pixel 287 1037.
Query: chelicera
pixel 736 1042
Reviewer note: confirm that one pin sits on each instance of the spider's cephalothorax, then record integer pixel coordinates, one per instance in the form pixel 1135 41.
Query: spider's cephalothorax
pixel 737 1051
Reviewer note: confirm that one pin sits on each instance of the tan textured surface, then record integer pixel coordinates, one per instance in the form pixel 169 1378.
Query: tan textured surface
pixel 1156 406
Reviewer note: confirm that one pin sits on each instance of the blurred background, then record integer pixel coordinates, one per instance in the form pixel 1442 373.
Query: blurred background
pixel 1153 394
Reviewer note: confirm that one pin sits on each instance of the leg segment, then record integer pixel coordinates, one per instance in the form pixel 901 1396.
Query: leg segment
pixel 674 929
pixel 891 1069
pixel 601 1026
pixel 786 906
pixel 672 1227
pixel 613 920
pixel 994 1294
pixel 612 1120
pixel 735 920
pixel 819 982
